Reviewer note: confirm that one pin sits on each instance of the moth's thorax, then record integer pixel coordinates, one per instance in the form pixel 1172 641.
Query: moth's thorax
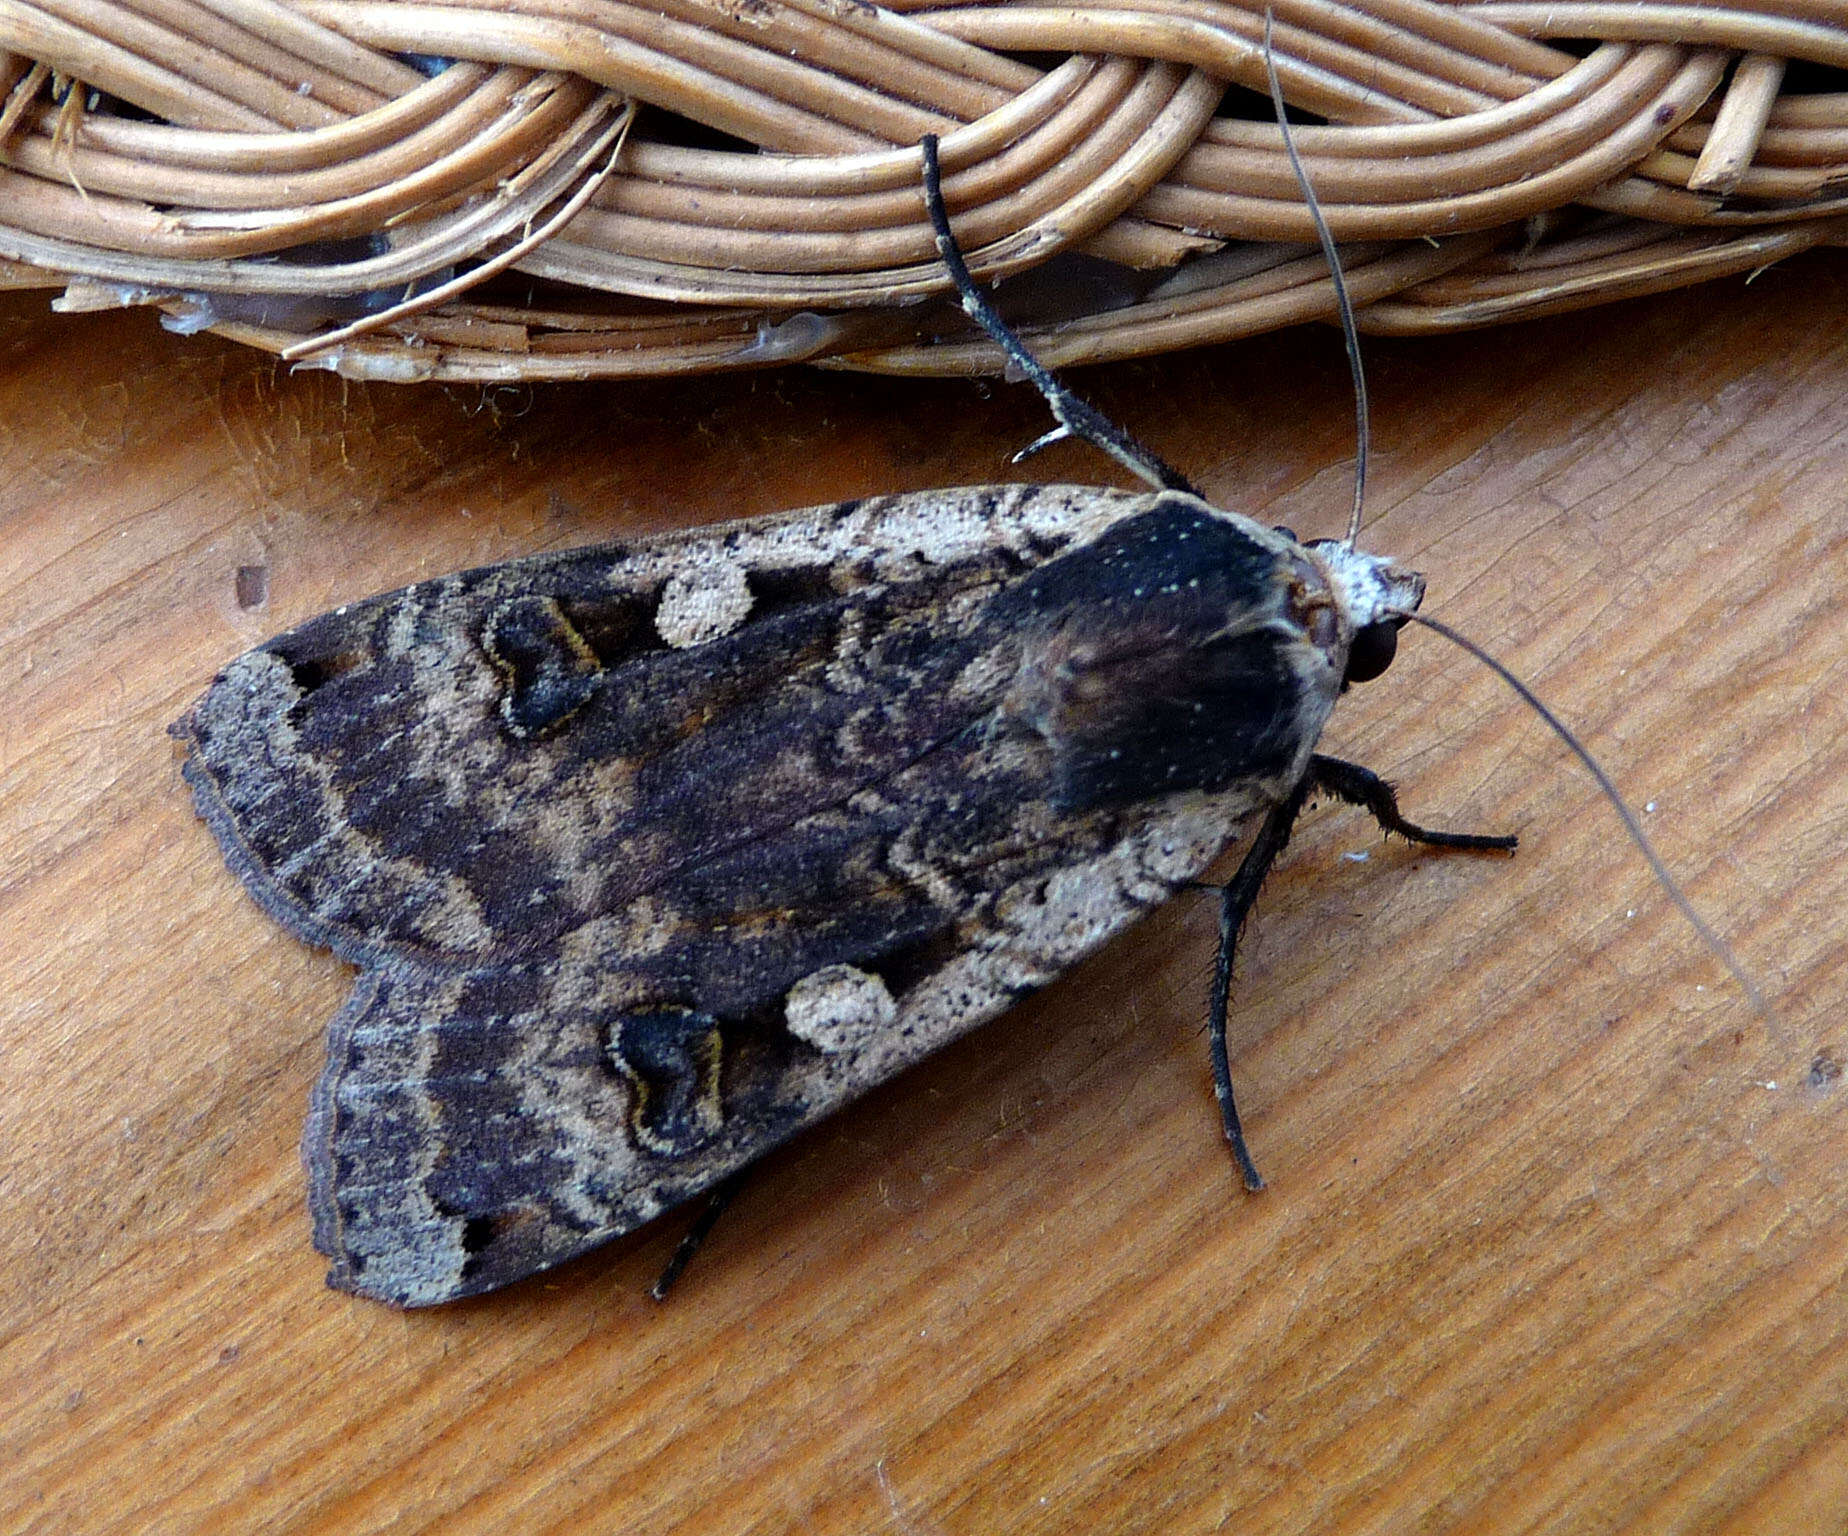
pixel 1364 589
pixel 1186 648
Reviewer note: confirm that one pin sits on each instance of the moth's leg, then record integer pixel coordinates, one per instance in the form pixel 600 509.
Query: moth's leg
pixel 1235 903
pixel 1346 781
pixel 696 1235
pixel 1365 788
pixel 1076 417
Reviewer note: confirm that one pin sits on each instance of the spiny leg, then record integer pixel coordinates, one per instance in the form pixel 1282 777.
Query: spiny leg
pixel 1346 781
pixel 1076 417
pixel 1235 902
pixel 722 1196
pixel 1365 788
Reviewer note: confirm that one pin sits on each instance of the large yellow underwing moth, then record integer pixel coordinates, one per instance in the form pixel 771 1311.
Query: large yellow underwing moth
pixel 651 854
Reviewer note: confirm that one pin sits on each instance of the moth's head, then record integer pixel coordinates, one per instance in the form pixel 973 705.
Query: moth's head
pixel 1372 596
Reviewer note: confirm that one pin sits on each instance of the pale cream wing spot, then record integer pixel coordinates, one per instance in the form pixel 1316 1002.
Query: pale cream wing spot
pixel 839 1008
pixel 703 602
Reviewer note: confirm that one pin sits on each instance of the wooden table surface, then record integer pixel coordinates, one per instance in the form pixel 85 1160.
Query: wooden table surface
pixel 1557 1225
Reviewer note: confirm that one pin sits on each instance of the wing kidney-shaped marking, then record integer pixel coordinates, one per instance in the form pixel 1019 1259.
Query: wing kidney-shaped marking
pixel 652 854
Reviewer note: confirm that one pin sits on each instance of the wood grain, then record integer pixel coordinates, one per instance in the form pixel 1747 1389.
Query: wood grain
pixel 1557 1227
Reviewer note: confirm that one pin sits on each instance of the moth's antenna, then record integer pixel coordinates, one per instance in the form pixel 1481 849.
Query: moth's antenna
pixel 1076 418
pixel 1344 306
pixel 1721 950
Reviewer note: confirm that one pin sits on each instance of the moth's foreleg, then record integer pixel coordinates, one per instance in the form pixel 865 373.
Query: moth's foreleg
pixel 1365 788
pixel 1235 902
pixel 1076 417
pixel 696 1235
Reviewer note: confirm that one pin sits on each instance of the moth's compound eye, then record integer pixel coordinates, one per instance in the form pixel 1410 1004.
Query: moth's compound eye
pixel 1372 652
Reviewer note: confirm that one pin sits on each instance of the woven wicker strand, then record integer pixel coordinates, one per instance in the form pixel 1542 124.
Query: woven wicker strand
pixel 557 189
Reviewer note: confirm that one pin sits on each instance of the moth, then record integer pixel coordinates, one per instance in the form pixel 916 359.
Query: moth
pixel 653 853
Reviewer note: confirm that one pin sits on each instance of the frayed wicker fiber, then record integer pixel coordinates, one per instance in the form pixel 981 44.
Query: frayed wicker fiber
pixel 578 188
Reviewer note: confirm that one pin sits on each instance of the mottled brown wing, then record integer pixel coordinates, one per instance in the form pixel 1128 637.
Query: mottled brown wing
pixel 470 767
pixel 474 1128
pixel 646 877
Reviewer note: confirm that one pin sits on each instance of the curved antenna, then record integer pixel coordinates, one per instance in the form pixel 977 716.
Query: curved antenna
pixel 1344 307
pixel 1721 950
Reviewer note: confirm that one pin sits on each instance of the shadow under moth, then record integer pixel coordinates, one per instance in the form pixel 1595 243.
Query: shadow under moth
pixel 653 853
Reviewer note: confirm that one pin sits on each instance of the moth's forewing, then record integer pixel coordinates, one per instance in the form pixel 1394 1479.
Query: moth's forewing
pixel 654 853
